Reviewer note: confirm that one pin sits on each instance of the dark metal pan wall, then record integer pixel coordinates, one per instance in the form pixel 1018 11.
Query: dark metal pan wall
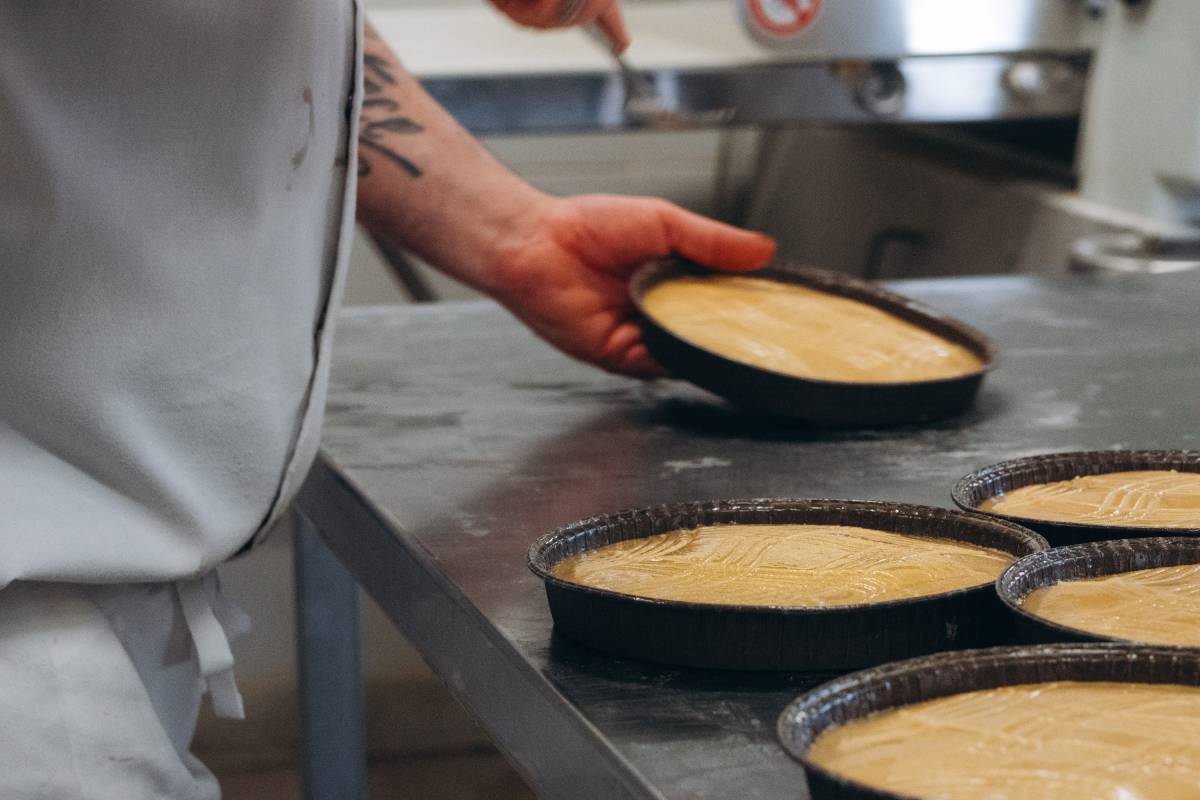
pixel 1079 562
pixel 974 489
pixel 769 637
pixel 815 401
pixel 863 693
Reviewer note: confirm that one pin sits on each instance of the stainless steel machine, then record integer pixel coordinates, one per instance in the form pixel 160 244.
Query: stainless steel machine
pixel 888 29
pixel 1129 199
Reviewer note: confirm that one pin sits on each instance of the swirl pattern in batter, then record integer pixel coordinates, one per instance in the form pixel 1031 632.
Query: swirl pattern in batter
pixel 804 332
pixel 1136 498
pixel 1046 741
pixel 1154 606
pixel 784 565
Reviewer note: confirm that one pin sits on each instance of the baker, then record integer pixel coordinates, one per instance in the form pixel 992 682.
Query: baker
pixel 178 184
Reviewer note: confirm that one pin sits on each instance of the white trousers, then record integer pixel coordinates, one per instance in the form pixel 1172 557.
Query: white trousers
pixel 100 687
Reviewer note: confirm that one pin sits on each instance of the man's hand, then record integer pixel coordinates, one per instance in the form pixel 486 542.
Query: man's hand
pixel 564 270
pixel 565 13
pixel 560 264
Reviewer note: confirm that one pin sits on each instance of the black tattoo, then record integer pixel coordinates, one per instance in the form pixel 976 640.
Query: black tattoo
pixel 376 68
pixel 385 117
pixel 380 102
pixel 364 165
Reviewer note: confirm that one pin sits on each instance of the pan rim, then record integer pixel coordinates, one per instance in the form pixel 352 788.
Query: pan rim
pixel 1013 602
pixel 1031 538
pixel 832 283
pixel 1064 656
pixel 966 484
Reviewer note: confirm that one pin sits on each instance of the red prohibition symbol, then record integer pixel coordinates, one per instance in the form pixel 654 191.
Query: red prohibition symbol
pixel 784 17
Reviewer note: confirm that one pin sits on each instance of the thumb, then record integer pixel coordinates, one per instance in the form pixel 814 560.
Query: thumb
pixel 612 23
pixel 715 244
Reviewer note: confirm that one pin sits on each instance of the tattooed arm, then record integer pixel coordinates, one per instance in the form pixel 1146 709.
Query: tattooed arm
pixel 559 264
pixel 424 182
pixel 381 113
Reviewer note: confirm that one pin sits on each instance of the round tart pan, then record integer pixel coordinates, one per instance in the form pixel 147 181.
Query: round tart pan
pixel 777 637
pixel 1090 560
pixel 829 403
pixel 972 490
pixel 863 693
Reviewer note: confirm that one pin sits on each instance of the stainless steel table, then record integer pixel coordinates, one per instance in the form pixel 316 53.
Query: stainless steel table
pixel 454 438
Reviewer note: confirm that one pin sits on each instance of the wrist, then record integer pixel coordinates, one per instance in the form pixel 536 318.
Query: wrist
pixel 507 267
pixel 467 230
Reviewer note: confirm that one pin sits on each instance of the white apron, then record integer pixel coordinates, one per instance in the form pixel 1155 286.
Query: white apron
pixel 175 214
pixel 176 203
pixel 99 692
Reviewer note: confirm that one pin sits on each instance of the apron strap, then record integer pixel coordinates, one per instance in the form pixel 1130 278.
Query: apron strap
pixel 211 645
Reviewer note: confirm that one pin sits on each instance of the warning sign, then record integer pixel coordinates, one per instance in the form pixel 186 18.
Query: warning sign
pixel 783 17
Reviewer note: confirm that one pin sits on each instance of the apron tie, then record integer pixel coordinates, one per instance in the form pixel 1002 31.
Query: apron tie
pixel 211 645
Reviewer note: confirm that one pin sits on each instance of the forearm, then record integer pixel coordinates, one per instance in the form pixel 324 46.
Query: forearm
pixel 425 183
pixel 561 265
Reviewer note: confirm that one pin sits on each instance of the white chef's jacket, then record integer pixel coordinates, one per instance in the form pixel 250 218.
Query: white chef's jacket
pixel 176 201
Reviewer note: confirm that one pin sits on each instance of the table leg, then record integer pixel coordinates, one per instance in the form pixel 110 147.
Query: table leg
pixel 332 722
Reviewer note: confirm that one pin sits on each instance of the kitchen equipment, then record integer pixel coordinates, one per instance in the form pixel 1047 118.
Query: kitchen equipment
pixel 974 489
pixel 1140 143
pixel 1039 48
pixel 874 30
pixel 816 401
pixel 1136 253
pixel 775 637
pixel 1079 562
pixel 642 100
pixel 863 693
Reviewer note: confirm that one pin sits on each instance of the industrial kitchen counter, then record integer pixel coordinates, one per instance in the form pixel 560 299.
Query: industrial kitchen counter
pixel 454 438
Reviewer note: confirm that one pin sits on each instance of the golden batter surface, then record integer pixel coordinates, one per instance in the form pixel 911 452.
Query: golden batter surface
pixel 804 332
pixel 784 565
pixel 1142 498
pixel 1155 606
pixel 1047 741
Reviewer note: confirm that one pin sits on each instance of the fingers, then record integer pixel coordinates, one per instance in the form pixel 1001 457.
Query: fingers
pixel 547 14
pixel 714 244
pixel 612 22
pixel 638 363
pixel 569 12
pixel 579 12
pixel 625 354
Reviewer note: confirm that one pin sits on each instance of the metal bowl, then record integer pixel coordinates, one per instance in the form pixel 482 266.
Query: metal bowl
pixel 863 693
pixel 777 637
pixel 974 489
pixel 816 401
pixel 1078 562
pixel 1133 253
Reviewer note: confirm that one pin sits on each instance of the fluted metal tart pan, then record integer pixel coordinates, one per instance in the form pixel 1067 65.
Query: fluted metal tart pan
pixel 757 637
pixel 861 694
pixel 828 403
pixel 1079 562
pixel 976 488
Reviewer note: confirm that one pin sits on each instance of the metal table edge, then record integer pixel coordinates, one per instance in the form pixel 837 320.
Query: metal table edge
pixel 346 519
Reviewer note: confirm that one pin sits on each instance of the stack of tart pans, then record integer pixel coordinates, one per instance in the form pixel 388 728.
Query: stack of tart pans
pixel 820 402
